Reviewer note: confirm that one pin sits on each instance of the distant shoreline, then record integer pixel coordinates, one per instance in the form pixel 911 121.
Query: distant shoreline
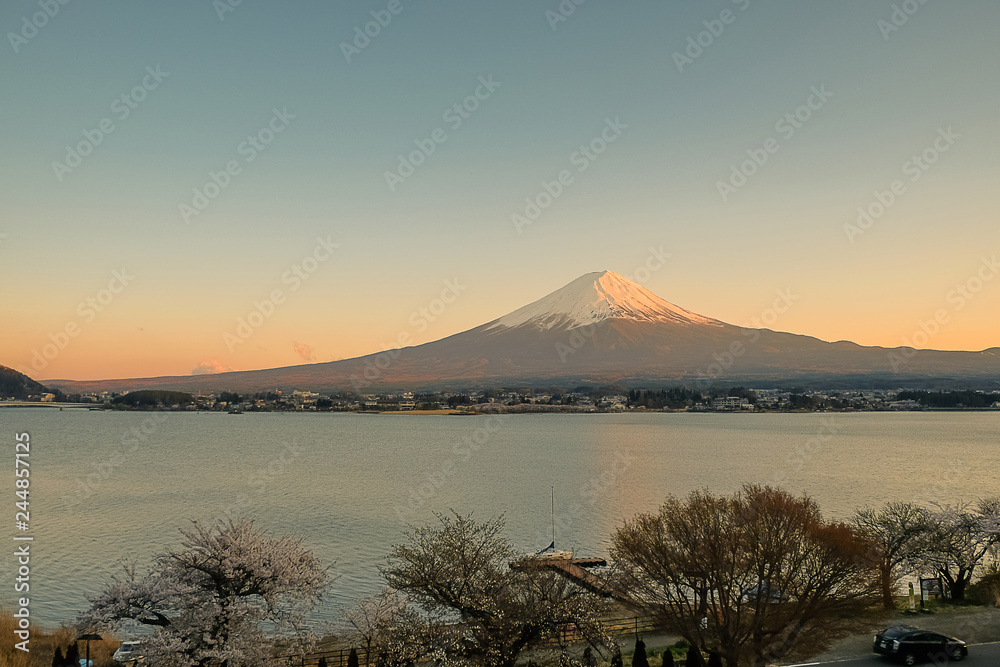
pixel 444 411
pixel 36 404
pixel 511 410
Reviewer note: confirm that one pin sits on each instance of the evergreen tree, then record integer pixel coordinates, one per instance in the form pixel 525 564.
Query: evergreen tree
pixel 616 659
pixel 352 659
pixel 322 662
pixel 714 659
pixel 694 658
pixel 57 658
pixel 639 657
pixel 73 655
pixel 668 658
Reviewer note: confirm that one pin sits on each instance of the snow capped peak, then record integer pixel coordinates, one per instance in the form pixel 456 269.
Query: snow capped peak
pixel 595 297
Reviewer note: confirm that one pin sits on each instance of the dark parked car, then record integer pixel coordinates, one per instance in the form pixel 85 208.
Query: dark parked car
pixel 910 645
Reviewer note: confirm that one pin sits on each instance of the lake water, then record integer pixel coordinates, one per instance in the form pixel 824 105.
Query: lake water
pixel 106 484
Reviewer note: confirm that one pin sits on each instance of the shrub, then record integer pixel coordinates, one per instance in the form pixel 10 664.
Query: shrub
pixel 986 591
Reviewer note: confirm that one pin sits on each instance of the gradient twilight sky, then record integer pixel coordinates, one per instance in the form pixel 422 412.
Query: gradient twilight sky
pixel 893 94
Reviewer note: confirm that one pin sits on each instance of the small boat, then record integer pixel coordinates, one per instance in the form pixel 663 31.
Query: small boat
pixel 563 563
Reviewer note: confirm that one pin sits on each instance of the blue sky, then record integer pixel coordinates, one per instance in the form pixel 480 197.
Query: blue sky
pixel 891 94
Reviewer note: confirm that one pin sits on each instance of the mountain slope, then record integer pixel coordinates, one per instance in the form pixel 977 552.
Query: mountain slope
pixel 14 384
pixel 600 328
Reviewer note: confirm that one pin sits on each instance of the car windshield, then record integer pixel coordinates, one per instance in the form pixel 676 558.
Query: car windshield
pixel 896 631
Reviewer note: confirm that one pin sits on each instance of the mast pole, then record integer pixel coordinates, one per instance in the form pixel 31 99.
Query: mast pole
pixel 553 490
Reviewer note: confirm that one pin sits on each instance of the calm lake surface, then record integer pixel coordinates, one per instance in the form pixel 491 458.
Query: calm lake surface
pixel 107 484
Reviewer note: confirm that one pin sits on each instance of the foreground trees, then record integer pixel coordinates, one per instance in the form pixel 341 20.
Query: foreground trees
pixel 209 599
pixel 896 535
pixel 372 620
pixel 950 542
pixel 460 571
pixel 958 540
pixel 391 631
pixel 756 576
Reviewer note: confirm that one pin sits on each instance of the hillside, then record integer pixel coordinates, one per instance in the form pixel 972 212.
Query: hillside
pixel 14 384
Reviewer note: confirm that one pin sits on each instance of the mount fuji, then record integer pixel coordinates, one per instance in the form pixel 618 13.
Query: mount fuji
pixel 601 328
pixel 595 297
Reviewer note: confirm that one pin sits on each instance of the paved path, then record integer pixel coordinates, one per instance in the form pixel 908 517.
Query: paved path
pixel 974 625
pixel 977 626
pixel 979 654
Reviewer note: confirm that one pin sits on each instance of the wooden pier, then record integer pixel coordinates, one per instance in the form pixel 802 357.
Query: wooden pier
pixel 571 568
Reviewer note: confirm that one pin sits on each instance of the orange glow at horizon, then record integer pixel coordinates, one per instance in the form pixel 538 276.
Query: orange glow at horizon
pixel 142 343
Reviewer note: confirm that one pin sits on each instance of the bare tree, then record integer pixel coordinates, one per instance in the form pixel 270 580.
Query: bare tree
pixel 460 571
pixel 959 540
pixel 756 576
pixel 372 618
pixel 210 599
pixel 895 535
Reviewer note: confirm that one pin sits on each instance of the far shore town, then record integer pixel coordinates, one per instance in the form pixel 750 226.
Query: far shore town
pixel 585 400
